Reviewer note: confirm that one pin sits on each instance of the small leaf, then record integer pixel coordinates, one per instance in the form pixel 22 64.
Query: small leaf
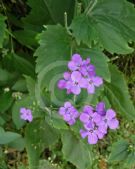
pixel 7 137
pixel 119 151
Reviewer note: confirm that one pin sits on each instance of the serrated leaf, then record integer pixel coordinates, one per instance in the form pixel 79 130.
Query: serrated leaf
pixel 118 95
pixel 7 137
pixel 54 46
pixel 35 145
pixel 2 29
pixel 53 54
pixel 119 151
pixel 111 28
pixel 75 151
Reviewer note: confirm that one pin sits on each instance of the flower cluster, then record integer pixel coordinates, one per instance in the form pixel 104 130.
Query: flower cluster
pixel 81 74
pixel 97 122
pixel 69 113
pixel 26 114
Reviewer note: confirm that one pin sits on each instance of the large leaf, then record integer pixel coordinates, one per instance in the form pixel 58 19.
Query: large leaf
pixel 75 150
pixel 38 136
pixel 118 95
pixel 53 54
pixel 108 23
pixel 2 29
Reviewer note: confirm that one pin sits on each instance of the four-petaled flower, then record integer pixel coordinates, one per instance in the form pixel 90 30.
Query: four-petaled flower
pixel 26 114
pixel 69 113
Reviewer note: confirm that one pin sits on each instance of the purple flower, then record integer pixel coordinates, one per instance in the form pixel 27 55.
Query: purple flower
pixel 100 108
pixel 88 70
pixel 93 132
pixel 81 75
pixel 110 120
pixel 76 83
pixel 75 63
pixel 69 113
pixel 89 115
pixel 62 83
pixel 92 82
pixel 26 114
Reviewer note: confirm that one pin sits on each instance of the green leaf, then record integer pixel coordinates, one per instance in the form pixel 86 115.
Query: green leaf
pixel 54 46
pixel 6 77
pixel 53 54
pixel 75 151
pixel 35 145
pixel 26 37
pixel 117 93
pixel 119 151
pixel 2 29
pixel 18 144
pixel 130 160
pixel 99 60
pixel 57 13
pixel 55 120
pixel 20 85
pixel 6 101
pixel 110 28
pixel 7 137
pixel 23 65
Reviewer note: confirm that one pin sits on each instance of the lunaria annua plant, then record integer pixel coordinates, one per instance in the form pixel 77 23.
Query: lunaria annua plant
pixel 95 121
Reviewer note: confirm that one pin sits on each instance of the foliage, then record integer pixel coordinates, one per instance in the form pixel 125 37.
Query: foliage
pixel 37 39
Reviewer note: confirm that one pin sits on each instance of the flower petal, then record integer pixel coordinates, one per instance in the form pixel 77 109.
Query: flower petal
pixel 97 81
pixel 91 89
pixel 76 89
pixel 76 76
pixel 110 114
pixel 92 138
pixel 61 84
pixel 113 124
pixel 84 133
pixel 67 104
pixel 84 117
